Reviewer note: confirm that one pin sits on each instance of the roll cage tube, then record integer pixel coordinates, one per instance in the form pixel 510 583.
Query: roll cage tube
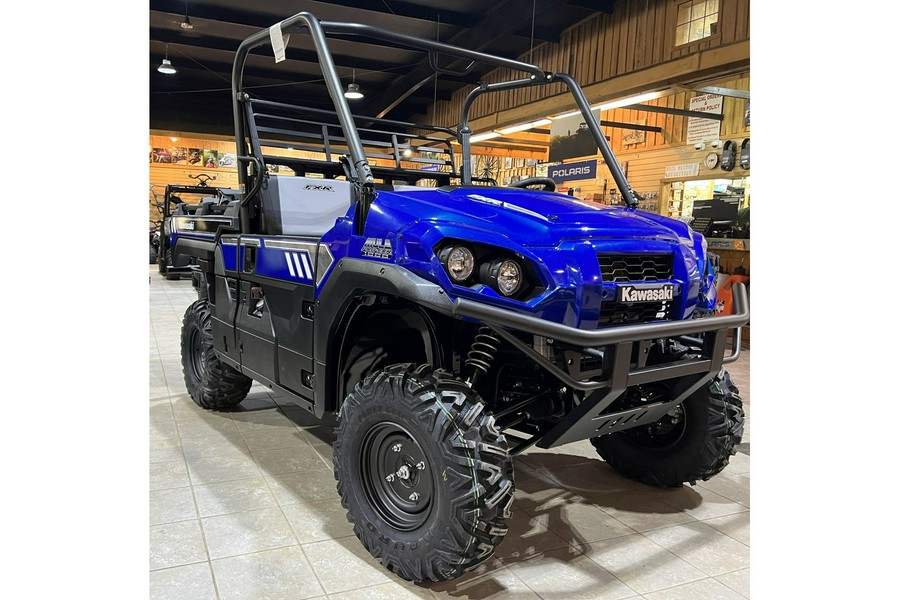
pixel 362 175
pixel 174 188
pixel 465 132
pixel 365 181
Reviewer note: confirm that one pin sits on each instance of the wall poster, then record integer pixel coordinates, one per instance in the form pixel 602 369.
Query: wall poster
pixel 570 138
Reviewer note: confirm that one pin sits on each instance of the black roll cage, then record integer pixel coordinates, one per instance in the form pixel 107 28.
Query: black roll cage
pixel 173 188
pixel 359 171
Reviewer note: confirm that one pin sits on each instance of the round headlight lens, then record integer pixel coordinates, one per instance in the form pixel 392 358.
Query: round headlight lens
pixel 460 263
pixel 509 277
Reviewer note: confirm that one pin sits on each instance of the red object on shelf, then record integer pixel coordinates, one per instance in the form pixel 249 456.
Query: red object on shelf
pixel 724 304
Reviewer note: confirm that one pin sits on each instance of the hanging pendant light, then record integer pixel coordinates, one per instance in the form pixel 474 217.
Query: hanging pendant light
pixel 353 92
pixel 166 66
pixel 186 23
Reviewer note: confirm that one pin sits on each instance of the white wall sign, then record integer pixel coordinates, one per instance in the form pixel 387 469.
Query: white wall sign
pixel 685 170
pixel 704 130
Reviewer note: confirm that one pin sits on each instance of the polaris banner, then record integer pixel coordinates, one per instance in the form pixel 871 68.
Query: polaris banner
pixel 585 169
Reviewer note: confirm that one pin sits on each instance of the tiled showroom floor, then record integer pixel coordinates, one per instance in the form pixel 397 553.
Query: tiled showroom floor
pixel 243 505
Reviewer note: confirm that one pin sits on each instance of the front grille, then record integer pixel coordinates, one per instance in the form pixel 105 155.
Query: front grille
pixel 624 268
pixel 621 313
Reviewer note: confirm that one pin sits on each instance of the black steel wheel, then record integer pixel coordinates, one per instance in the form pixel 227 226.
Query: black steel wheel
pixel 396 477
pixel 210 382
pixel 423 472
pixel 694 441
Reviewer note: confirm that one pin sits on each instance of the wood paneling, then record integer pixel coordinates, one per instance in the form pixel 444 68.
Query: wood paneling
pixel 639 34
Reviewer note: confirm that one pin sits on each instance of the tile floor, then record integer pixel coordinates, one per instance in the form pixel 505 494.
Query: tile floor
pixel 243 505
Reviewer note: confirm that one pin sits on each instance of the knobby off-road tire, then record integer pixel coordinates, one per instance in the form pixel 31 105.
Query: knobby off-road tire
pixel 701 446
pixel 210 382
pixel 154 254
pixel 165 264
pixel 423 472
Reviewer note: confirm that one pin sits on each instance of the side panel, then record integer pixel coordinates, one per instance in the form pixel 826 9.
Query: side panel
pixel 289 268
pixel 226 296
pixel 275 309
pixel 255 333
pixel 188 233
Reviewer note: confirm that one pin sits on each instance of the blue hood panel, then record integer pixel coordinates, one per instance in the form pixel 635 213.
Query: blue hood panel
pixel 529 217
pixel 557 235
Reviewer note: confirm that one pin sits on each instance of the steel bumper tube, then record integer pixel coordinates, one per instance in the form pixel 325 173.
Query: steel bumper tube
pixel 591 417
pixel 611 335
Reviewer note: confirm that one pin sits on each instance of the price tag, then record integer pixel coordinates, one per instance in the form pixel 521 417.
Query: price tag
pixel 278 41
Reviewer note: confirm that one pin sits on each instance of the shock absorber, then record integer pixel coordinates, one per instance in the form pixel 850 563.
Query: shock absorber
pixel 481 354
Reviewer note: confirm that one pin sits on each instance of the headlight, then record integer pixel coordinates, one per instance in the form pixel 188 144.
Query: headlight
pixel 508 275
pixel 471 264
pixel 460 263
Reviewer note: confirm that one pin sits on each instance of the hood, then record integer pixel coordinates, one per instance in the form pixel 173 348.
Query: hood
pixel 529 217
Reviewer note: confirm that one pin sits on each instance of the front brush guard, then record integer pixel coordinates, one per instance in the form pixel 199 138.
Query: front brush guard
pixel 588 419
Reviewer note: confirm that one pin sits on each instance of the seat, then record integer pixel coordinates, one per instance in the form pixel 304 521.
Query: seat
pixel 205 206
pixel 303 205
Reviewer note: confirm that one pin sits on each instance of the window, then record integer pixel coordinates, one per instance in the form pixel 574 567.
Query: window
pixel 697 19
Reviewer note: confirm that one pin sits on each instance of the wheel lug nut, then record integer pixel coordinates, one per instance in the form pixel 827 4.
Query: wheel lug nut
pixel 390 478
pixel 414 496
pixel 420 465
pixel 397 447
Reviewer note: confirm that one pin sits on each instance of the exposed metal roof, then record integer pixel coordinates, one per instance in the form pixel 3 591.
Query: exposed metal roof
pixel 397 82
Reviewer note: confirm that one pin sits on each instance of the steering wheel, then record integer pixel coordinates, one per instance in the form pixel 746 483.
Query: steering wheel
pixel 549 184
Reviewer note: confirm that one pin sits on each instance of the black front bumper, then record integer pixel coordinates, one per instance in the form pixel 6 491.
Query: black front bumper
pixel 589 419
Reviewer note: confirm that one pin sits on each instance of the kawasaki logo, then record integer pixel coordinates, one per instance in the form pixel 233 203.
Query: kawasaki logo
pixel 659 293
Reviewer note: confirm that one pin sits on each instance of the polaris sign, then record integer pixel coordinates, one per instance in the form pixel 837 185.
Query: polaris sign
pixel 585 169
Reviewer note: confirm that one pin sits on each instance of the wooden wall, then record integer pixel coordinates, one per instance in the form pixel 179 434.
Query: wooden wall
pixel 637 35
pixel 162 175
pixel 674 128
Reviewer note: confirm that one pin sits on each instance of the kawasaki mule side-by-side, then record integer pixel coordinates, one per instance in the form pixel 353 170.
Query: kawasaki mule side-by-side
pixel 190 213
pixel 449 328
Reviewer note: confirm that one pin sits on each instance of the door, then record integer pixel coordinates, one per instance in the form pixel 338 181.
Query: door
pixel 275 315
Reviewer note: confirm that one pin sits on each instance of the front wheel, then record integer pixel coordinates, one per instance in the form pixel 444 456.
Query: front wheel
pixel 210 382
pixel 693 441
pixel 423 472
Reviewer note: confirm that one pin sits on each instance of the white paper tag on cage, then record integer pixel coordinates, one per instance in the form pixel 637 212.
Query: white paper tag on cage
pixel 278 41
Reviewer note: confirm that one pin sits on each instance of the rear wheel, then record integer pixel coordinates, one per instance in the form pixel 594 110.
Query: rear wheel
pixel 694 441
pixel 423 472
pixel 165 264
pixel 210 382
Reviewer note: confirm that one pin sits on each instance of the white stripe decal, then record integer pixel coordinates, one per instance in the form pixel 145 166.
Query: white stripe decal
pixel 287 257
pixel 300 270
pixel 306 264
